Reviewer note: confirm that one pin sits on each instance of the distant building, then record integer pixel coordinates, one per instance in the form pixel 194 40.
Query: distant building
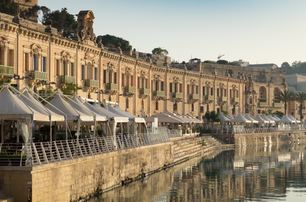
pixel 26 4
pixel 296 82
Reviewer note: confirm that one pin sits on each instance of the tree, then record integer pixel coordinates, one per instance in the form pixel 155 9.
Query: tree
pixel 160 51
pixel 114 42
pixel 8 7
pixel 285 65
pixel 286 96
pixel 63 21
pixel 301 97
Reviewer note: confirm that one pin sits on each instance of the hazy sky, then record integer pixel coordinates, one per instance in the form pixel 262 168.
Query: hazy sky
pixel 259 31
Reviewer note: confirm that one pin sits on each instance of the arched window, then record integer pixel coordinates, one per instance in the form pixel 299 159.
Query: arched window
pixel 277 94
pixel 262 94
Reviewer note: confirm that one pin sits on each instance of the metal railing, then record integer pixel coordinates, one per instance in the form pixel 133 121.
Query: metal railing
pixel 48 152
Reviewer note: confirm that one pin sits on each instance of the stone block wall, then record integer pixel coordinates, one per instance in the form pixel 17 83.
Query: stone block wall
pixel 75 179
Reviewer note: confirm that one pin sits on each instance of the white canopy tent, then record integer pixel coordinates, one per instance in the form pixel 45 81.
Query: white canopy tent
pixel 241 119
pixel 224 118
pixel 271 121
pixel 118 111
pixel 261 120
pixel 287 120
pixel 253 120
pixel 164 117
pixel 59 105
pixel 136 124
pixel 12 108
pixel 97 108
pixel 40 111
pixel 76 101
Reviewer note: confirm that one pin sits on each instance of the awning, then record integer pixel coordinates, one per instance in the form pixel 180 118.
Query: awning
pixel 41 113
pixel 241 119
pixel 11 107
pixel 165 118
pixel 118 111
pixel 59 105
pixel 97 108
pixel 253 120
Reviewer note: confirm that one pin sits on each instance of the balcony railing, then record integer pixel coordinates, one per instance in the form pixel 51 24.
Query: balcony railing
pixel 144 92
pixel 177 95
pixel 159 94
pixel 209 98
pixel 222 99
pixel 194 97
pixel 278 104
pixel 91 83
pixel 6 70
pixel 37 75
pixel 111 87
pixel 234 100
pixel 129 90
pixel 263 104
pixel 67 79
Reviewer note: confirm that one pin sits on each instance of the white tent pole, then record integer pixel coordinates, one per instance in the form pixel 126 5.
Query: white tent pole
pixel 95 125
pixel 50 133
pixel 2 131
pixel 66 130
pixel 78 129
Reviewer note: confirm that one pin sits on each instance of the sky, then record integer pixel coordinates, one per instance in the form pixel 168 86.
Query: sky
pixel 258 31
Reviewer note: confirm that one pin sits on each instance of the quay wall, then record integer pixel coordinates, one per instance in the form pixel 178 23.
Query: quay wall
pixel 82 178
pixel 16 181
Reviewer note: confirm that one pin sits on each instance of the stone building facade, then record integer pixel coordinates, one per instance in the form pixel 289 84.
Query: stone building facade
pixel 39 57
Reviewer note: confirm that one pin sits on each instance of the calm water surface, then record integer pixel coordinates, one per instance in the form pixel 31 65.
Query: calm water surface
pixel 251 173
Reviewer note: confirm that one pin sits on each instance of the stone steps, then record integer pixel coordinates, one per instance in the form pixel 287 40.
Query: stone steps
pixel 191 147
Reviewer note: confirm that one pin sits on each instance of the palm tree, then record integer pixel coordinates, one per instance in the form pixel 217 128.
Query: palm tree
pixel 301 97
pixel 286 96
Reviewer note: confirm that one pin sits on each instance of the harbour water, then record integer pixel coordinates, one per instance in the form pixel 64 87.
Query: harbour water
pixel 254 174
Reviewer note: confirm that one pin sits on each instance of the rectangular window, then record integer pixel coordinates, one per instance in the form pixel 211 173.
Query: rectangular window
pixel 65 68
pixel 10 58
pixel 211 91
pixel 1 55
pixel 192 107
pixel 156 105
pixel 132 81
pixel 156 85
pixel 170 87
pixel 203 91
pixel 58 67
pixel 104 76
pixel 225 92
pixel 175 87
pixel 83 72
pixel 188 89
pixel 162 86
pixel 26 61
pixel 96 73
pixel 115 77
pixel 72 69
pixel 231 93
pixel 43 64
pixel 35 62
pixel 217 92
pixel 139 82
pixel 181 88
pixel 122 80
pixel 146 83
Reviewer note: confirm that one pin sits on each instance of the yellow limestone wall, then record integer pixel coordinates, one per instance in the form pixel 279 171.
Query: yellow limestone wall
pixel 74 179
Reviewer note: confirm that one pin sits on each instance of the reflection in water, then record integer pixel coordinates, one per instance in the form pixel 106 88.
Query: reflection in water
pixel 244 174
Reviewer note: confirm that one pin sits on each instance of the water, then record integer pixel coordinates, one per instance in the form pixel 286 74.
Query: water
pixel 246 174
